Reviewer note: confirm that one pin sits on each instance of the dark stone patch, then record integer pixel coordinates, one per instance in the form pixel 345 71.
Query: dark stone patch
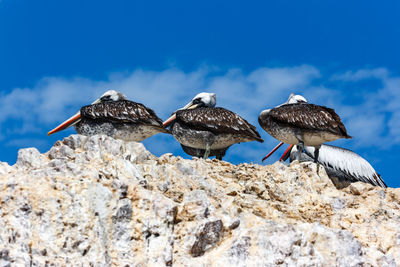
pixel 85 251
pixel 234 225
pixel 5 255
pixel 124 214
pixel 39 213
pixel 12 185
pixel 26 208
pixel 43 252
pixel 143 183
pixel 13 237
pixel 146 234
pixel 208 236
pixel 206 212
pixel 76 244
pixel 123 191
pixel 73 141
pixel 58 143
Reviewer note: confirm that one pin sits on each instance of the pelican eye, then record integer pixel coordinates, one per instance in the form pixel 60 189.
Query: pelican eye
pixel 105 98
pixel 197 101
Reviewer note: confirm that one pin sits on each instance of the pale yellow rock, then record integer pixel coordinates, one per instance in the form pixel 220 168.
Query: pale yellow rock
pixel 96 201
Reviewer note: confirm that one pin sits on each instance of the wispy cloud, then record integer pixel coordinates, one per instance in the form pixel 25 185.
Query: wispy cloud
pixel 376 118
pixel 354 76
pixel 54 99
pixel 371 120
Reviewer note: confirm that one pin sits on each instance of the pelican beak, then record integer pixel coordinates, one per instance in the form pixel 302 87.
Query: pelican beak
pixel 71 121
pixel 68 123
pixel 96 101
pixel 169 120
pixel 272 151
pixel 286 154
pixel 290 97
pixel 190 105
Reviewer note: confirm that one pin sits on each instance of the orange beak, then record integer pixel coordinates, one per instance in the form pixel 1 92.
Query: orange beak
pixel 68 123
pixel 286 151
pixel 189 105
pixel 169 120
pixel 272 151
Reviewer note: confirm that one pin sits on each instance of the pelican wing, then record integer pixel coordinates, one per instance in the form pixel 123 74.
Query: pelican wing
pixel 309 116
pixel 218 121
pixel 353 166
pixel 123 111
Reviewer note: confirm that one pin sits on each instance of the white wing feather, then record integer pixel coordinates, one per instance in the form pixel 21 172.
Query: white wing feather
pixel 347 162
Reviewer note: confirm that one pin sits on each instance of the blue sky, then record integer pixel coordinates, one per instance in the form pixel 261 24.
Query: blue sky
pixel 56 56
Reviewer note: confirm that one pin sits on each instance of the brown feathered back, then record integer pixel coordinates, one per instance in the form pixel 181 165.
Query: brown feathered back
pixel 310 117
pixel 121 111
pixel 217 121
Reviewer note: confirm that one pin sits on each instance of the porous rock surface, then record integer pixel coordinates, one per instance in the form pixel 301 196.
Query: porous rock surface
pixel 103 202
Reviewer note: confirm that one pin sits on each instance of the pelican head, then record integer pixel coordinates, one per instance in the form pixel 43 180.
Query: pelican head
pixel 110 95
pixel 200 100
pixel 294 99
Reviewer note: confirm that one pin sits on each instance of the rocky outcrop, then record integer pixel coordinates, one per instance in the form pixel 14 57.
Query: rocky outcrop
pixel 100 202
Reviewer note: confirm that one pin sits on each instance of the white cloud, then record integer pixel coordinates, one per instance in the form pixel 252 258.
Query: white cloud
pixel 354 76
pixel 394 126
pixel 375 120
pixel 53 99
pixel 372 120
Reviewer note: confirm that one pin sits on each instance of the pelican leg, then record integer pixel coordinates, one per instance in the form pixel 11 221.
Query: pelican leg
pixel 300 150
pixel 222 154
pixel 207 151
pixel 316 155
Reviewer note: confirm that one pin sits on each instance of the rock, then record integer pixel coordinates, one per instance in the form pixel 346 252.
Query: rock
pixel 4 168
pixel 359 188
pixel 75 141
pixel 29 158
pixel 195 205
pixel 96 201
pixel 207 237
pixel 324 239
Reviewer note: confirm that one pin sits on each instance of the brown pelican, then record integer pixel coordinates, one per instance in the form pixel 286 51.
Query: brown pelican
pixel 300 123
pixel 340 163
pixel 204 130
pixel 113 115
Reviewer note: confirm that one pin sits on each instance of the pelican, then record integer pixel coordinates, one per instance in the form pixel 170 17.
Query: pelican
pixel 205 130
pixel 113 115
pixel 300 123
pixel 340 163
